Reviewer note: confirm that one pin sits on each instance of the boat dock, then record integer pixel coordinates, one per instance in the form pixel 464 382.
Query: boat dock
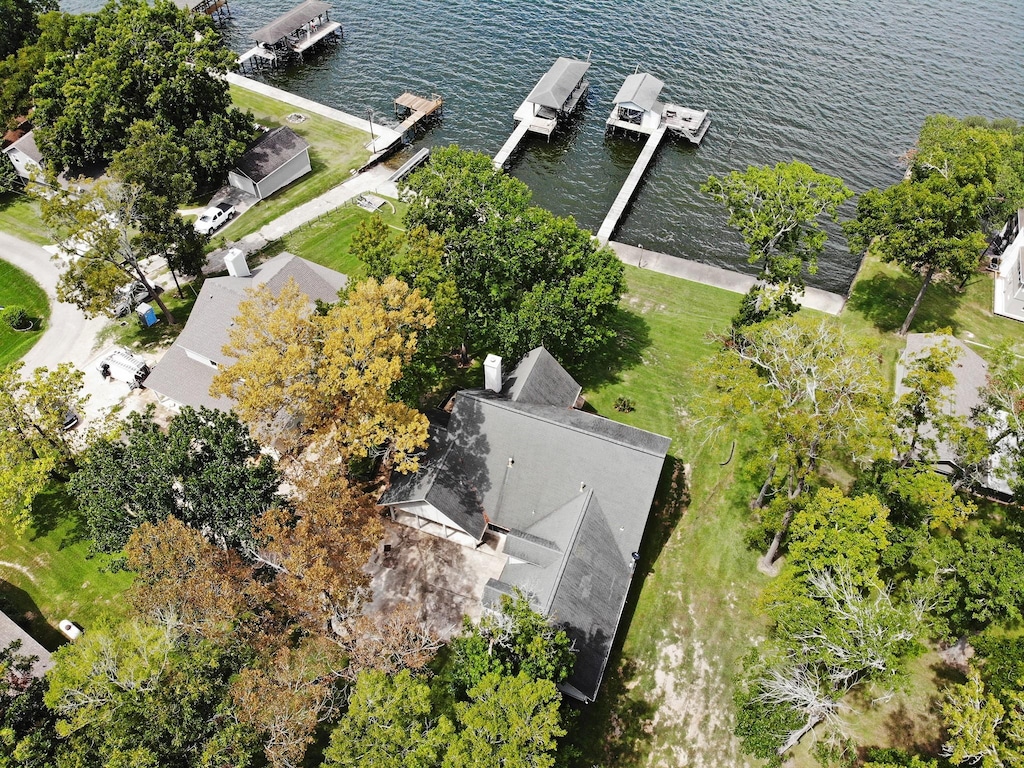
pixel 292 34
pixel 417 108
pixel 558 94
pixel 637 110
pixel 604 234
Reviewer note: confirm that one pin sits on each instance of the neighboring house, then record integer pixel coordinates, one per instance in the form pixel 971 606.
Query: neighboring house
pixel 276 159
pixel 971 372
pixel 1009 257
pixel 567 494
pixel 9 632
pixel 25 157
pixel 184 375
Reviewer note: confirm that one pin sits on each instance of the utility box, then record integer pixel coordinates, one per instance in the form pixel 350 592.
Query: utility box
pixel 147 316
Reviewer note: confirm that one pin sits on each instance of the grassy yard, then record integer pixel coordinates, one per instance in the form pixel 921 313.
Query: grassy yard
pixel 335 151
pixel 20 216
pixel 326 240
pixel 883 294
pixel 17 287
pixel 47 574
pixel 667 699
pixel 128 332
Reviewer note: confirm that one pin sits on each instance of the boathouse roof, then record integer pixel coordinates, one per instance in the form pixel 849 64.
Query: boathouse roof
pixel 641 89
pixel 558 83
pixel 286 24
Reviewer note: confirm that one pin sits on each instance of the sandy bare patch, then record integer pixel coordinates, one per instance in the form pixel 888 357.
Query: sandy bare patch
pixel 692 725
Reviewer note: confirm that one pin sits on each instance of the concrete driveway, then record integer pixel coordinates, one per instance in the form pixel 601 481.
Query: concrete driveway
pixel 69 335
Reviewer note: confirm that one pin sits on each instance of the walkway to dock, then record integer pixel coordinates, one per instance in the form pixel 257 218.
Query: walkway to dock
pixel 736 282
pixel 383 137
pixel 510 145
pixel 419 108
pixel 604 234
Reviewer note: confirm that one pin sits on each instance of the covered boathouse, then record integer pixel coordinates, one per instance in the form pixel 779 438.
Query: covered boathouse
pixel 557 94
pixel 293 33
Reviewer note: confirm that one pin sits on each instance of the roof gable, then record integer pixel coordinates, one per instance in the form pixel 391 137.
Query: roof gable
pixel 541 380
pixel 641 89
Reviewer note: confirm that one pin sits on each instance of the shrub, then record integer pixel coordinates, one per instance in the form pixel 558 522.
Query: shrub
pixel 16 317
pixel 624 405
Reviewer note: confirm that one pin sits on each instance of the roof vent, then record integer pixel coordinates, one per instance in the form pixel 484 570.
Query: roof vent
pixel 492 373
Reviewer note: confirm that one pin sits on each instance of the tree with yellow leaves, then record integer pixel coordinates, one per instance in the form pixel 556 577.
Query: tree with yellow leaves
pixel 329 376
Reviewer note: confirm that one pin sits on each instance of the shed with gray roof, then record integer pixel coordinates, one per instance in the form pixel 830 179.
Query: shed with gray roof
pixel 569 492
pixel 275 160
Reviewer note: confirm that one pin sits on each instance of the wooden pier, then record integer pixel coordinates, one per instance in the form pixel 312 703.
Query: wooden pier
pixel 416 108
pixel 510 144
pixel 604 234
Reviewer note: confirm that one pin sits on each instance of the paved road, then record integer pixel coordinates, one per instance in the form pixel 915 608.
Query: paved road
pixel 69 335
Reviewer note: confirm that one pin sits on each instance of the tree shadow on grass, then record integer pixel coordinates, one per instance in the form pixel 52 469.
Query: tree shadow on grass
pixel 23 611
pixel 620 353
pixel 55 508
pixel 886 299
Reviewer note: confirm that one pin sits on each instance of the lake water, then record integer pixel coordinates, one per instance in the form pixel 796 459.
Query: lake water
pixel 840 84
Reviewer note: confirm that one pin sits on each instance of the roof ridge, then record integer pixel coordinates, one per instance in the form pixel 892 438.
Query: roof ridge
pixel 510 405
pixel 563 561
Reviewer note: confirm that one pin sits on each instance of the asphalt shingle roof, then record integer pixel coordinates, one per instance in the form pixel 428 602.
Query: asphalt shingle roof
pixel 270 151
pixel 641 89
pixel 555 87
pixel 9 632
pixel 573 489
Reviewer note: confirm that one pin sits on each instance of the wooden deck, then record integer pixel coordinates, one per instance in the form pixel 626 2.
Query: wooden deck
pixel 418 108
pixel 604 234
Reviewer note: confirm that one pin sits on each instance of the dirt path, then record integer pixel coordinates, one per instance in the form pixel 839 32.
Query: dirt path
pixel 21 568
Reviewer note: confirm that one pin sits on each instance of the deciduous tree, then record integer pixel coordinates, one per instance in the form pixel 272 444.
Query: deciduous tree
pixel 810 390
pixel 972 718
pixel 511 721
pixel 389 724
pixel 778 212
pixel 206 470
pixel 524 276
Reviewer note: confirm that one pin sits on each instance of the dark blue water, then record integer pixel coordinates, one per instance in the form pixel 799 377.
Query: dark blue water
pixel 841 84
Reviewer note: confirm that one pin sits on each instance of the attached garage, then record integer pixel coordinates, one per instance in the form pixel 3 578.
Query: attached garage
pixel 278 158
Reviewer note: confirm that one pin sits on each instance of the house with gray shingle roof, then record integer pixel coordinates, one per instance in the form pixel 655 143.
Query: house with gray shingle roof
pixel 10 632
pixel 567 492
pixel 184 375
pixel 25 156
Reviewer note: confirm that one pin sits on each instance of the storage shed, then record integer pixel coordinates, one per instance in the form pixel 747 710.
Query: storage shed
pixel 274 161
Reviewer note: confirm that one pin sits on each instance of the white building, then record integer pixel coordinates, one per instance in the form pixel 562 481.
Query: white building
pixel 278 158
pixel 25 157
pixel 1009 298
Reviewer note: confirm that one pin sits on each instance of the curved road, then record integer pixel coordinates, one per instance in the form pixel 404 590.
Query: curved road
pixel 69 336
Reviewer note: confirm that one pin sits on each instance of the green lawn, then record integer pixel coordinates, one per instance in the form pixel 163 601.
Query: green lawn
pixel 17 287
pixel 667 698
pixel 47 574
pixel 20 216
pixel 326 240
pixel 883 293
pixel 335 151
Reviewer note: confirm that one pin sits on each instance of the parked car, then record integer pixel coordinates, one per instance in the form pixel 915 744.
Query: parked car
pixel 70 421
pixel 214 218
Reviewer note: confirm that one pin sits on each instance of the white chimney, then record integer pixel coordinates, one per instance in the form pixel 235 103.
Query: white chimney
pixel 236 264
pixel 492 373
